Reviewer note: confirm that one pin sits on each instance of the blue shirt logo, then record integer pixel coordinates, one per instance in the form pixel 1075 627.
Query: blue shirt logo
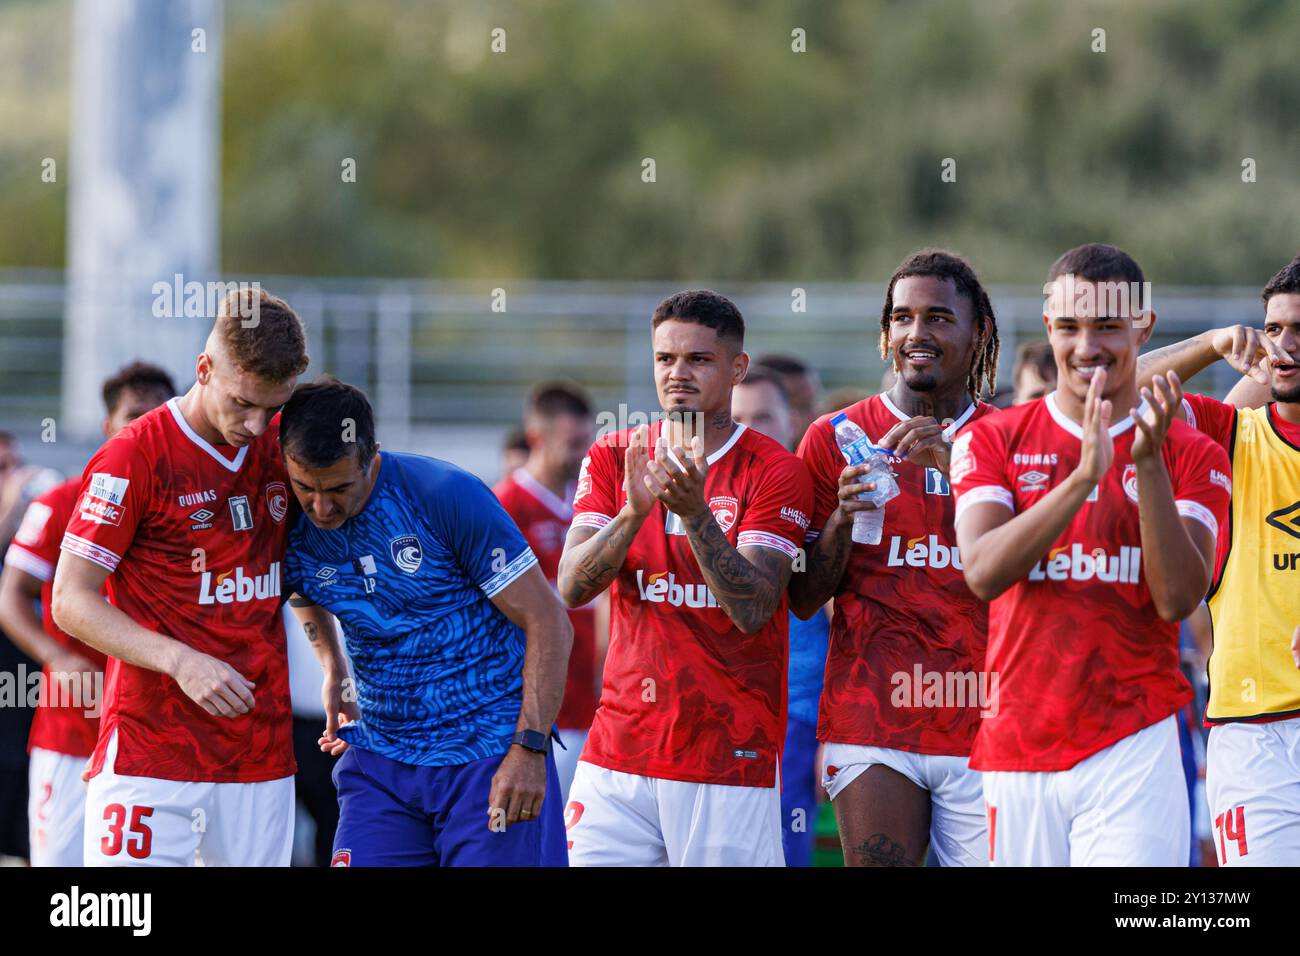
pixel 406 552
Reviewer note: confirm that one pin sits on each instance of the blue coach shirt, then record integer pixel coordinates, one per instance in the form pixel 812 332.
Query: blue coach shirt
pixel 439 670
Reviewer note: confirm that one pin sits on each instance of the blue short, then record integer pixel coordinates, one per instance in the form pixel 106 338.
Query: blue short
pixel 399 814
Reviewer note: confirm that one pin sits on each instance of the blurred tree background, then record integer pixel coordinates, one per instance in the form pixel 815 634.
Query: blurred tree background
pixel 770 164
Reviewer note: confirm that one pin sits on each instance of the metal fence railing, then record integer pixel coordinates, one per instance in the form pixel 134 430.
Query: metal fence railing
pixel 449 361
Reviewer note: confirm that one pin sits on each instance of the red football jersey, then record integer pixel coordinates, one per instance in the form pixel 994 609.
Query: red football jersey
pixel 905 624
pixel 544 520
pixel 195 536
pixel 1081 657
pixel 687 695
pixel 35 549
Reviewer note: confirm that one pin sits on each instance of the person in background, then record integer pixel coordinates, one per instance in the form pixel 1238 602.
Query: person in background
pixel 538 495
pixel 761 402
pixel 802 385
pixel 15 722
pixel 514 451
pixel 1034 374
pixel 66 723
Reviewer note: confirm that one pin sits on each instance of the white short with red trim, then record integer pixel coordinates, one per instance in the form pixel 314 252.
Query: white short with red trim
pixel 56 807
pixel 1252 782
pixel 624 819
pixel 145 821
pixel 957 825
pixel 1125 805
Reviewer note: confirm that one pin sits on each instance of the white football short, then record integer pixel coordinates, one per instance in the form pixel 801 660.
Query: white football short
pixel 1125 805
pixel 1252 782
pixel 56 807
pixel 145 821
pixel 958 834
pixel 624 819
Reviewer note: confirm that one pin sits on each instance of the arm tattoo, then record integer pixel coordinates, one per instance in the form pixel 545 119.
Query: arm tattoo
pixel 598 563
pixel 313 632
pixel 827 560
pixel 749 591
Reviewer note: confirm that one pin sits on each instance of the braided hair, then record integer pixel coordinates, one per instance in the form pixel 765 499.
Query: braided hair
pixel 982 376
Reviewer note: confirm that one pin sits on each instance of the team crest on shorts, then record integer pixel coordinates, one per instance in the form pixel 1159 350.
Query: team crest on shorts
pixel 1131 482
pixel 341 858
pixel 407 553
pixel 277 500
pixel 725 509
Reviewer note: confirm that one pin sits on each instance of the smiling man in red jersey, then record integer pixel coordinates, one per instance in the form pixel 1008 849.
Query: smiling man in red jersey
pixel 1088 519
pixel 895 752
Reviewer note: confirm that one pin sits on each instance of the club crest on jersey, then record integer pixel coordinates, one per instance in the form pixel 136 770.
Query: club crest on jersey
pixel 277 500
pixel 725 509
pixel 1032 481
pixel 341 858
pixel 241 515
pixel 1131 482
pixel 407 553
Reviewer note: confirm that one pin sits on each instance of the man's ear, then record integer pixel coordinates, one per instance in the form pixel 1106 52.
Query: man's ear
pixel 1144 325
pixel 203 368
pixel 740 367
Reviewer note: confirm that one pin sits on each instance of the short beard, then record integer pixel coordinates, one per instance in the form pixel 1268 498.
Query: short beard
pixel 920 381
pixel 1287 397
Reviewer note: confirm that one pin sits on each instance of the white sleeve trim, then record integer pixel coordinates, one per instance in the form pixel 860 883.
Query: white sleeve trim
pixel 590 519
pixel 765 539
pixel 24 560
pixel 1198 511
pixel 994 493
pixel 503 578
pixel 106 559
pixel 1191 415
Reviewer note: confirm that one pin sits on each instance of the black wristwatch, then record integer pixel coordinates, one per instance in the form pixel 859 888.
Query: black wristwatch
pixel 533 740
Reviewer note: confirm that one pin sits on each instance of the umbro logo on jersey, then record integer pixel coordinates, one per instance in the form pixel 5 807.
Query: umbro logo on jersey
pixel 1032 481
pixel 1286 519
pixel 202 519
pixel 407 553
pixel 326 575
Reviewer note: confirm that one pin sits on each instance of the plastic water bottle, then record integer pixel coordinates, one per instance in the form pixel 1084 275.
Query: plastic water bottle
pixel 858 450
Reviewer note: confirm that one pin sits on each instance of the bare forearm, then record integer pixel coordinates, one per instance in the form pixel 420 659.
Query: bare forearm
pixel 19 620
pixel 1184 358
pixel 546 667
pixel 318 624
pixel 95 622
pixel 748 594
pixel 1007 553
pixel 1176 572
pixel 588 568
pixel 827 559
